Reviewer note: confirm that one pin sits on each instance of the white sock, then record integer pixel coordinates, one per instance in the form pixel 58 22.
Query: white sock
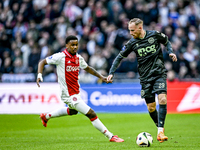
pixel 99 125
pixel 160 129
pixel 57 113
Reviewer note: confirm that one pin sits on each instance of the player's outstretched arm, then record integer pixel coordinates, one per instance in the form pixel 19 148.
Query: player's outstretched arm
pixel 114 67
pixel 40 70
pixel 92 71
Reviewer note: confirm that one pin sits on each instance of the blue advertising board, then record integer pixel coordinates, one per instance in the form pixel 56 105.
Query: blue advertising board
pixel 114 97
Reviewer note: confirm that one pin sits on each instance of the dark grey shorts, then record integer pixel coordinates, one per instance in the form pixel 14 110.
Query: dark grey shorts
pixel 149 89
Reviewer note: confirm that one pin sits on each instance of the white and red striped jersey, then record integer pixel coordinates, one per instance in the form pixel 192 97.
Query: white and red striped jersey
pixel 67 67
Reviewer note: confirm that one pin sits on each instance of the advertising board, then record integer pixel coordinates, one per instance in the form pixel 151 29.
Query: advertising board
pixel 27 98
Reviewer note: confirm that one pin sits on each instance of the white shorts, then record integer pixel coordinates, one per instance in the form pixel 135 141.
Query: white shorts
pixel 75 102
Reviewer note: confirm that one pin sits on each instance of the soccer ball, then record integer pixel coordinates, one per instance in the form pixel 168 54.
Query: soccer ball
pixel 144 139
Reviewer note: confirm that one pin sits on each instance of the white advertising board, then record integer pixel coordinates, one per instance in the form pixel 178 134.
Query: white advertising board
pixel 23 98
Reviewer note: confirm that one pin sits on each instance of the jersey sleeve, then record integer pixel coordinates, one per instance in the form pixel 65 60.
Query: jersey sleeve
pixel 126 49
pixel 162 38
pixel 54 59
pixel 82 62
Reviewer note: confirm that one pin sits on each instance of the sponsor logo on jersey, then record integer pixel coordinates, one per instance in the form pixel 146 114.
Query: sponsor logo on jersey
pixel 148 49
pixel 72 68
pixel 151 40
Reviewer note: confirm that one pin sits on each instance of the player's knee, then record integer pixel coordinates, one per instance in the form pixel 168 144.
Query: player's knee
pixel 91 114
pixel 151 108
pixel 73 112
pixel 162 100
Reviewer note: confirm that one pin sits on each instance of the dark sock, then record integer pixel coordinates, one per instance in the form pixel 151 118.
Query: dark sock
pixel 154 116
pixel 161 115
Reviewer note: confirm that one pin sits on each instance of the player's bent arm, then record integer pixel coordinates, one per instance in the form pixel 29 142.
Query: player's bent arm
pixel 40 70
pixel 169 47
pixel 170 51
pixel 92 71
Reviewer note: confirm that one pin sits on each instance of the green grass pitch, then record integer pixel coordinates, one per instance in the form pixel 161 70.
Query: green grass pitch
pixel 25 132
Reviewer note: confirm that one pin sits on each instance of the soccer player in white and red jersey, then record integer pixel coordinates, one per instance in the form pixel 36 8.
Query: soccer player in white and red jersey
pixel 68 64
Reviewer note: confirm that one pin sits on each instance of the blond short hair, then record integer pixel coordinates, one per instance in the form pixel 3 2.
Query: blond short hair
pixel 136 21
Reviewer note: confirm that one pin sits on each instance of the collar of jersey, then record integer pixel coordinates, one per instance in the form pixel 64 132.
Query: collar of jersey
pixel 67 53
pixel 144 35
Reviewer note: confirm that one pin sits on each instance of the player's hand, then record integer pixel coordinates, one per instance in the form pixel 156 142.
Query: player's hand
pixel 109 78
pixel 104 79
pixel 173 57
pixel 39 78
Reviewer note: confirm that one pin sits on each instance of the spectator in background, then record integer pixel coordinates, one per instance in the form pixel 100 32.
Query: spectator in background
pixel 44 48
pixel 19 68
pixel 129 66
pixel 180 35
pixel 173 17
pixel 40 4
pixel 26 51
pixel 37 13
pixel 129 8
pixel 16 53
pixel 72 12
pixel 190 53
pixel 101 13
pixel 55 11
pixel 95 24
pixel 88 13
pixel 193 11
pixel 97 61
pixel 194 72
pixel 33 59
pixel 7 66
pixel 163 13
pixel 33 31
pixel 182 65
pixel 61 27
pixel 20 27
pixel 116 10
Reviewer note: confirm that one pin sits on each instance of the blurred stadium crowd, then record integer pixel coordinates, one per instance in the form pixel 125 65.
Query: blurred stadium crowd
pixel 31 30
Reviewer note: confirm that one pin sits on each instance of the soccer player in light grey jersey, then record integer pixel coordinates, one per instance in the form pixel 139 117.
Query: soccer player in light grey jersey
pixel 146 45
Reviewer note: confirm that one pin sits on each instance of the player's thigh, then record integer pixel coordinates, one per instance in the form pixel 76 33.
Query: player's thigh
pixel 146 91
pixel 82 107
pixel 160 86
pixel 76 102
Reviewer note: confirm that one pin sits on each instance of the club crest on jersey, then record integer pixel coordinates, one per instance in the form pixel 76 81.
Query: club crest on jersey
pixel 151 40
pixel 142 92
pixel 74 99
